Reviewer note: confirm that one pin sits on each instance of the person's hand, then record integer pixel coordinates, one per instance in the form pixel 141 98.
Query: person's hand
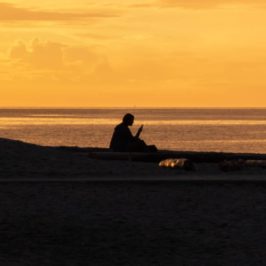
pixel 139 131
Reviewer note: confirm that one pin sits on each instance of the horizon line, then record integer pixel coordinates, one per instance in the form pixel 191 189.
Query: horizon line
pixel 131 107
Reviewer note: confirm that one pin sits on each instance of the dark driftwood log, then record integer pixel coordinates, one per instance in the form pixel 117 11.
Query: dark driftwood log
pixel 256 163
pixel 215 157
pixel 235 165
pixel 210 157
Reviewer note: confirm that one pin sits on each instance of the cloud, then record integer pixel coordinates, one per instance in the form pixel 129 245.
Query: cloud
pixel 19 51
pixel 87 59
pixel 50 60
pixel 40 55
pixel 201 4
pixel 9 12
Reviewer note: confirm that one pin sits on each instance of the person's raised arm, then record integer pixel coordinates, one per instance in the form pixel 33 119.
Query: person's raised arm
pixel 139 131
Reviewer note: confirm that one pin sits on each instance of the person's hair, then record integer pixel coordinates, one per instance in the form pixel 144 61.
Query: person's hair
pixel 128 117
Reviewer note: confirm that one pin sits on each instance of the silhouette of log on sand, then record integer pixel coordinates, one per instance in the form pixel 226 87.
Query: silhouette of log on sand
pixel 211 157
pixel 235 165
pixel 178 159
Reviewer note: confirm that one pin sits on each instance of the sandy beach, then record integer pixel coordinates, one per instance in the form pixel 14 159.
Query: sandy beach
pixel 132 224
pixel 112 222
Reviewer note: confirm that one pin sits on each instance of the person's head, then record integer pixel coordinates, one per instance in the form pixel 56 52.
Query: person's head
pixel 128 119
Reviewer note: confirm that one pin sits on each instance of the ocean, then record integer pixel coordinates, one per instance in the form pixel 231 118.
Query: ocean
pixel 189 129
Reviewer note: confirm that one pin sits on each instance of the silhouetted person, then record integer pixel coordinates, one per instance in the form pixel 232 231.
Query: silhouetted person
pixel 123 140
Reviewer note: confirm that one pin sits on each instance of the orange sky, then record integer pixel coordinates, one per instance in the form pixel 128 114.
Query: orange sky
pixel 154 53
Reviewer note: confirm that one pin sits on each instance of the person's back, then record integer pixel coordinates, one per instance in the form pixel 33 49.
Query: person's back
pixel 121 139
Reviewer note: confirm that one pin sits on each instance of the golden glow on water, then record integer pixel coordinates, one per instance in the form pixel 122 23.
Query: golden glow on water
pixel 232 130
pixel 51 121
pixel 133 53
pixel 28 121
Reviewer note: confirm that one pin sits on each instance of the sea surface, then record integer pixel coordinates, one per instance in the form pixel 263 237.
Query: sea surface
pixel 228 130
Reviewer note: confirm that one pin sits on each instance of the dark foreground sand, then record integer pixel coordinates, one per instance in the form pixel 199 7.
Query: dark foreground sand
pixel 132 224
pixel 183 218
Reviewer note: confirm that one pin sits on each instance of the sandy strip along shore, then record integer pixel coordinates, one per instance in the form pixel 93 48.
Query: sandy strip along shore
pixel 24 161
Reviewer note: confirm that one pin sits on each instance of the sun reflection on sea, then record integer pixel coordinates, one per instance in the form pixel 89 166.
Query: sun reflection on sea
pixel 25 121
